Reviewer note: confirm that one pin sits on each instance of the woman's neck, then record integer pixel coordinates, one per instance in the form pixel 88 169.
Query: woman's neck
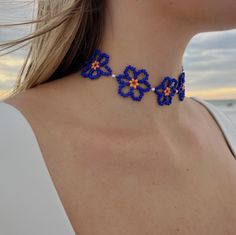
pixel 138 35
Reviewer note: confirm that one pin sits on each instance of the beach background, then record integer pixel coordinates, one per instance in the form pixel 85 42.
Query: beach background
pixel 209 60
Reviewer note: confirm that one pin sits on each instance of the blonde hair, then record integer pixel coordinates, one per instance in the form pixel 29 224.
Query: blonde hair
pixel 65 34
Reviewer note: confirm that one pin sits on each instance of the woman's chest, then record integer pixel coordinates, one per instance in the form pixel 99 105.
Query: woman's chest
pixel 120 192
pixel 146 185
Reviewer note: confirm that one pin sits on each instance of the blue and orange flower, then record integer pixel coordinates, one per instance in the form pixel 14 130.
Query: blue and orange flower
pixel 133 83
pixel 97 66
pixel 166 90
pixel 181 86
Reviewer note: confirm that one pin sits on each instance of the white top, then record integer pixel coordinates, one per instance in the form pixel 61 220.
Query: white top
pixel 29 203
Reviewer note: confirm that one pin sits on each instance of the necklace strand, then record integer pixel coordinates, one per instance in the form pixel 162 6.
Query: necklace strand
pixel 134 80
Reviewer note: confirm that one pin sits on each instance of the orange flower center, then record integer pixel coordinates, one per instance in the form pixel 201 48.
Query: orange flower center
pixel 183 87
pixel 133 83
pixel 167 91
pixel 95 65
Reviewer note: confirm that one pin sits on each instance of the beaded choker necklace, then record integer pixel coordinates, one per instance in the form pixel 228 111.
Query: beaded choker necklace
pixel 134 82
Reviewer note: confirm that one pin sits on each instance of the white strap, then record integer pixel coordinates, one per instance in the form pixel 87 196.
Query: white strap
pixel 226 125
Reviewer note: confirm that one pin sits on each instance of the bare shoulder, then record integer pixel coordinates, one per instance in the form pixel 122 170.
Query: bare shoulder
pixel 36 99
pixel 38 105
pixel 44 97
pixel 46 109
pixel 22 100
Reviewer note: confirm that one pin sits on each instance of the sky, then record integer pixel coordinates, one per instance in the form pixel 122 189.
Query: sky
pixel 209 60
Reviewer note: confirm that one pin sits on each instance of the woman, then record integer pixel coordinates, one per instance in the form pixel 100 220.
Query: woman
pixel 118 159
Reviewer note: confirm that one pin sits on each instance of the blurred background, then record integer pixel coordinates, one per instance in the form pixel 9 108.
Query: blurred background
pixel 209 60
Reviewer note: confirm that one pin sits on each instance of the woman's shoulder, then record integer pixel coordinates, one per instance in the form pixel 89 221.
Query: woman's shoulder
pixel 226 125
pixel 221 118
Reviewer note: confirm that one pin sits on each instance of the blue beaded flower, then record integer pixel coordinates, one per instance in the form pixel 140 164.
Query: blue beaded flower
pixel 181 86
pixel 166 90
pixel 97 66
pixel 133 83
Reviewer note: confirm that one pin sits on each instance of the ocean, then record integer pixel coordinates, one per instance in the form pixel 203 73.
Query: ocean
pixel 226 106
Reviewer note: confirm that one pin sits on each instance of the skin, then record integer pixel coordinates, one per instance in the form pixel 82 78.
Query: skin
pixel 125 167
